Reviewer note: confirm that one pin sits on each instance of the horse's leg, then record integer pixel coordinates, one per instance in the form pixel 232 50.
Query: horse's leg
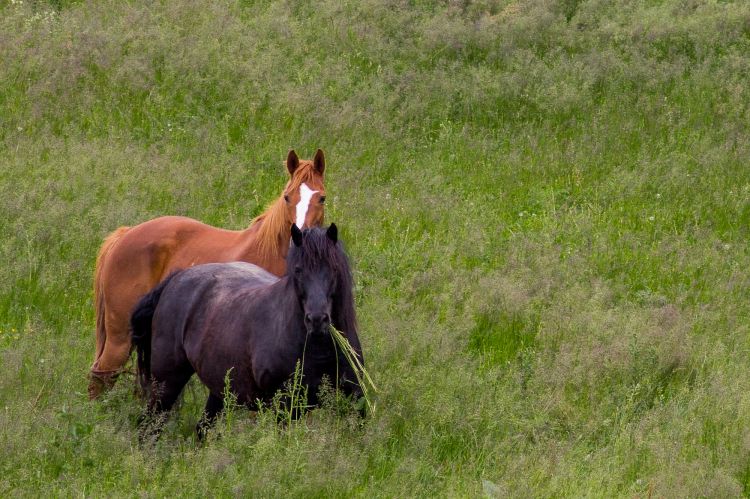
pixel 164 394
pixel 131 271
pixel 214 405
pixel 115 354
pixel 103 378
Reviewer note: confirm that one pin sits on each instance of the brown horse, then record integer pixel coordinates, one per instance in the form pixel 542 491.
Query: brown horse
pixel 132 260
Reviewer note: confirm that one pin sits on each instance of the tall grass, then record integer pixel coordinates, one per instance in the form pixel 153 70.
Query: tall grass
pixel 546 203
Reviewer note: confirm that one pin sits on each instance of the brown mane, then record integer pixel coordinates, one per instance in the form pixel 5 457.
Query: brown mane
pixel 273 225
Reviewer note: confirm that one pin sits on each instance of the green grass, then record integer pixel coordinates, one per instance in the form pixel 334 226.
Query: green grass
pixel 547 205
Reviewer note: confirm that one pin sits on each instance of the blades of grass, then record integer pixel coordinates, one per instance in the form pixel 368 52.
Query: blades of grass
pixel 363 377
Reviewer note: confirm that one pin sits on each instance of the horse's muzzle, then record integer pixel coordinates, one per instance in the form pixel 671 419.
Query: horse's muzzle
pixel 317 323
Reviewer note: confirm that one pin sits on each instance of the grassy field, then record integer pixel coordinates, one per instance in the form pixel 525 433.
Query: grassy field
pixel 546 202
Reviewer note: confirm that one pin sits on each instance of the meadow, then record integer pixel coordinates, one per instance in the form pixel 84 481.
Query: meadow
pixel 546 204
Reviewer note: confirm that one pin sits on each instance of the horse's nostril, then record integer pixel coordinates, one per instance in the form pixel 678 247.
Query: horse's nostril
pixel 317 320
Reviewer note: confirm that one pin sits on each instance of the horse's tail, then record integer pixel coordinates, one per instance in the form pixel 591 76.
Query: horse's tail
pixel 140 329
pixel 101 332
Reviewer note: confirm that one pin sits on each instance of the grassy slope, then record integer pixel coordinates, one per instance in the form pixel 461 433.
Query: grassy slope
pixel 547 203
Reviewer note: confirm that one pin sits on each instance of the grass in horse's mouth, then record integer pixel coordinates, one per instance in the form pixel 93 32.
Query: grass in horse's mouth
pixel 363 377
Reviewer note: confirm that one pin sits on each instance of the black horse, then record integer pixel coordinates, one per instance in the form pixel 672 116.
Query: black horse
pixel 236 319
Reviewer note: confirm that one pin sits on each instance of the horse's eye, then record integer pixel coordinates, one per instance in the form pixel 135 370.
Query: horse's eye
pixel 286 197
pixel 322 199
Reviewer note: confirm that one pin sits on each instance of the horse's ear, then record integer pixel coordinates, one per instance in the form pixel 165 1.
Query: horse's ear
pixel 319 162
pixel 292 161
pixel 296 235
pixel 333 233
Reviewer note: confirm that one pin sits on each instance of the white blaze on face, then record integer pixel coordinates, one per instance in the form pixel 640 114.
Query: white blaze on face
pixel 305 195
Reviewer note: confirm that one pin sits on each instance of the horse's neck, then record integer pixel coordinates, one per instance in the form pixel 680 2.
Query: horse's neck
pixel 290 317
pixel 265 250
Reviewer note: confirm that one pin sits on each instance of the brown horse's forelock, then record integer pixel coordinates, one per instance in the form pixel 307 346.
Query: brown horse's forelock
pixel 317 248
pixel 274 228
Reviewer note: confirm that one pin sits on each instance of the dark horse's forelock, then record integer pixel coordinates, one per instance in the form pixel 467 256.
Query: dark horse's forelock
pixel 317 247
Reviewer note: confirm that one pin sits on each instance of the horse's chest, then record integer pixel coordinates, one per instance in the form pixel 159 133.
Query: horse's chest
pixel 271 369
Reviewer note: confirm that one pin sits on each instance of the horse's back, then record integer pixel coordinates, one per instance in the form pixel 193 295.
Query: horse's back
pixel 232 274
pixel 152 249
pixel 174 234
pixel 201 291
